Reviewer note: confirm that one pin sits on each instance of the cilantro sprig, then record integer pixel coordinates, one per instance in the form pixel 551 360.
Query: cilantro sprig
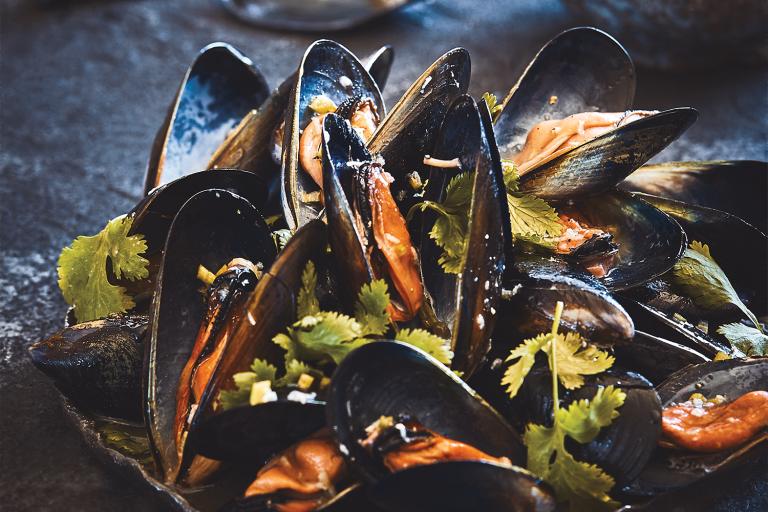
pixel 698 276
pixel 494 106
pixel 320 339
pixel 584 486
pixel 83 276
pixel 531 218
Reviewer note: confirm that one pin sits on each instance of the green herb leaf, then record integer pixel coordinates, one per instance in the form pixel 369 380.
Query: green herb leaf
pixel 575 358
pixel 493 104
pixel 530 215
pixel 326 335
pixel 307 301
pixel 281 237
pixel 293 370
pixel 698 276
pixel 262 370
pixel 451 229
pixel 371 308
pixel 83 276
pixel 745 338
pixel 435 346
pixel 583 419
pixel 511 176
pixel 525 353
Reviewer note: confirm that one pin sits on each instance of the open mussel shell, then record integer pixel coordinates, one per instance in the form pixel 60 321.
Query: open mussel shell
pixel 218 89
pixel 466 302
pixel 408 133
pixel 654 357
pixel 580 70
pixel 649 241
pixel 97 364
pixel 734 186
pixel 309 17
pixel 589 308
pixel 250 146
pixel 391 378
pixel 672 469
pixel 601 163
pixel 212 228
pixel 722 231
pixel 257 432
pixel 330 70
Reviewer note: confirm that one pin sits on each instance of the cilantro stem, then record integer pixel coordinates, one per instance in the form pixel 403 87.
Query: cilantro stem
pixel 553 358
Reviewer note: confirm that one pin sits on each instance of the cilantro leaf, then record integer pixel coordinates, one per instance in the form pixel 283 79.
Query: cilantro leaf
pixel 433 345
pixel 493 104
pixel 745 338
pixel 326 335
pixel 83 275
pixel 371 308
pixel 698 276
pixel 525 353
pixel 583 419
pixel 307 301
pixel 451 229
pixel 281 237
pixel 510 175
pixel 530 215
pixel 575 357
pixel 293 370
pixel 262 370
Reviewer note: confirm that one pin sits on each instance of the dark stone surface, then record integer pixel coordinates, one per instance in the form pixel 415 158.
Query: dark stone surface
pixel 85 84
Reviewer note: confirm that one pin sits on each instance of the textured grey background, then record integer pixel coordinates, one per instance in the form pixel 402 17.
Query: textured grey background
pixel 83 87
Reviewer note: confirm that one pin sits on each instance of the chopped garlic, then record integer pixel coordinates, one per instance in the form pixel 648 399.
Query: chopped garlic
pixel 261 392
pixel 305 381
pixel 322 104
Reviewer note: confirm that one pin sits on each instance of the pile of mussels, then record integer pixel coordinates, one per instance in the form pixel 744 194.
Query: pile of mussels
pixel 323 159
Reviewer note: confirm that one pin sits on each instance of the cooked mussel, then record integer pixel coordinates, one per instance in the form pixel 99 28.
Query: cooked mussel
pixel 673 468
pixel 408 132
pixel 654 357
pixel 97 364
pixel 465 299
pixel 330 78
pixel 364 221
pixel 211 229
pixel 388 378
pixel 219 88
pixel 548 125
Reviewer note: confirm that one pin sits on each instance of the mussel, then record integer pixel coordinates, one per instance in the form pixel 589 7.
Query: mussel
pixel 392 379
pixel 673 468
pixel 219 88
pixel 330 79
pixel 97 364
pixel 212 228
pixel 580 71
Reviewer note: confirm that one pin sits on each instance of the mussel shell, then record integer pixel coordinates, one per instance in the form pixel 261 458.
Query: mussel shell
pixel 467 302
pixel 670 469
pixel 153 216
pixel 654 357
pixel 583 68
pixel 352 499
pixel 387 378
pixel 219 88
pixel 213 227
pixel 601 163
pixel 379 64
pixel 97 364
pixel 322 70
pixel 649 241
pixel 589 309
pixel 445 487
pixel 722 231
pixel 734 186
pixel 408 132
pixel 257 431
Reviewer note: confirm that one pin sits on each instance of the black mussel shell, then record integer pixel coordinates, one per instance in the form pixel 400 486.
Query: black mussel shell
pixel 387 378
pixel 734 186
pixel 352 499
pixel 466 302
pixel 253 433
pixel 601 163
pixel 212 228
pixel 220 87
pixel 589 308
pixel 408 133
pixel 648 241
pixel 97 364
pixel 391 378
pixel 654 357
pixel 379 64
pixel 672 469
pixel 583 69
pixel 722 231
pixel 331 70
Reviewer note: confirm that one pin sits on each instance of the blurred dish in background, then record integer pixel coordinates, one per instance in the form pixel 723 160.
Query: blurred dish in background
pixel 312 16
pixel 682 33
